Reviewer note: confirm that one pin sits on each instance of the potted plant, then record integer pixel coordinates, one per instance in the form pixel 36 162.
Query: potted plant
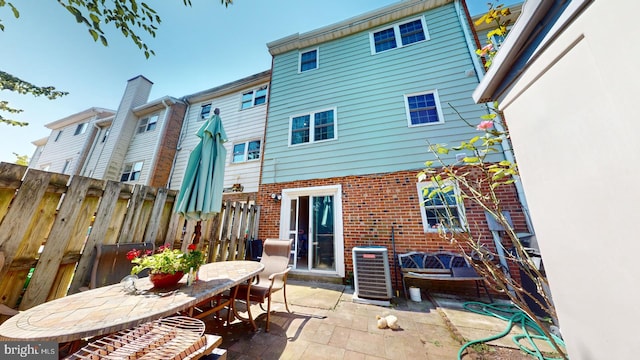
pixel 166 266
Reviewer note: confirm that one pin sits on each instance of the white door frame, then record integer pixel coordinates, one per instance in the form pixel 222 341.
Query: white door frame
pixel 332 190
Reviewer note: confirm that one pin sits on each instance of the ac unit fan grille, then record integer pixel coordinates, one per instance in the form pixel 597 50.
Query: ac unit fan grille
pixel 371 273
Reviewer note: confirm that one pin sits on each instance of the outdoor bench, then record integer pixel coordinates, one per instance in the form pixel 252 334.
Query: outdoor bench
pixel 438 266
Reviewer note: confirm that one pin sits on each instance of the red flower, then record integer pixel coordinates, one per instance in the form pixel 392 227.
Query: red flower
pixel 132 254
pixel 191 247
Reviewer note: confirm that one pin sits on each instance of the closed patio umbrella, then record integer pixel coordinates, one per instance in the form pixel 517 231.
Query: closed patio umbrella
pixel 200 195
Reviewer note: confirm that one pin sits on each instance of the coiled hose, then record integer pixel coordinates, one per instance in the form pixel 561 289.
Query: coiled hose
pixel 513 315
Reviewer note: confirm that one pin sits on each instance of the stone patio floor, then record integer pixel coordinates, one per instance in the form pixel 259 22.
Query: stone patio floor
pixel 327 324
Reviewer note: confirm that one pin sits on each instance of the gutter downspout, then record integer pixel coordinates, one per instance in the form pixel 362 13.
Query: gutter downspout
pixel 471 44
pixel 506 145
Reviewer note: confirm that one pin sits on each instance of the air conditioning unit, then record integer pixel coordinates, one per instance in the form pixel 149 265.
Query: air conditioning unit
pixel 371 276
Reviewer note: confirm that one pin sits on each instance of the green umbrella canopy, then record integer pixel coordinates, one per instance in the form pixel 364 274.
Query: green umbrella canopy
pixel 200 196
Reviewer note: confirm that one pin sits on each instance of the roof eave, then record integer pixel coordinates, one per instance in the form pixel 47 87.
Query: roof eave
pixel 353 25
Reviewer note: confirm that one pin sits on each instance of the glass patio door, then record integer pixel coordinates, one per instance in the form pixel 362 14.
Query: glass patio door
pixel 313 221
pixel 311 226
pixel 322 249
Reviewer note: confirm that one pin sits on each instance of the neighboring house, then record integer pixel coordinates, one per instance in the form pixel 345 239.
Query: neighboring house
pixel 569 91
pixel 135 144
pixel 242 105
pixel 70 141
pixel 352 106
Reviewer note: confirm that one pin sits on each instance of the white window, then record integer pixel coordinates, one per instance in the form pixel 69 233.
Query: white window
pixel 254 97
pixel 246 151
pixel 423 108
pixel 399 35
pixel 308 60
pixel 81 128
pixel 440 209
pixel 65 167
pixel 131 171
pixel 205 111
pixel 313 127
pixel 58 136
pixel 148 123
pixel 106 134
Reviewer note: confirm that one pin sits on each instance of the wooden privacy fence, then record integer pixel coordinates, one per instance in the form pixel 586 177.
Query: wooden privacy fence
pixel 50 224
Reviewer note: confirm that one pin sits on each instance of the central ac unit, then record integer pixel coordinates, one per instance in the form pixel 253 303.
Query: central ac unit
pixel 371 276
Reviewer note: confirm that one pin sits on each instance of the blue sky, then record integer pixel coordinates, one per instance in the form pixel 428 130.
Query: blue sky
pixel 196 47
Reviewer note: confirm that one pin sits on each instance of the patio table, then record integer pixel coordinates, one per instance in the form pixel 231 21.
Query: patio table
pixel 110 308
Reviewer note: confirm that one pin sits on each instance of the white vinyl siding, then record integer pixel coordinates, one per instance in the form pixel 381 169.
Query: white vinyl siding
pixel 241 126
pixel 143 147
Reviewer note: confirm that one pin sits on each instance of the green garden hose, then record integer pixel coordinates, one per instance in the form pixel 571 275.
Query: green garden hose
pixel 513 315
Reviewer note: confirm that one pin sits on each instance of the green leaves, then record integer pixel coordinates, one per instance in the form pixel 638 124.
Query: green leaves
pixel 12 83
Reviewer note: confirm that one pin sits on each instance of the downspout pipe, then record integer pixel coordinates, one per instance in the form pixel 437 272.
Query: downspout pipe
pixel 506 145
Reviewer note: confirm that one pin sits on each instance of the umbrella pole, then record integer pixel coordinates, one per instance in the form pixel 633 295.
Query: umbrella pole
pixel 197 233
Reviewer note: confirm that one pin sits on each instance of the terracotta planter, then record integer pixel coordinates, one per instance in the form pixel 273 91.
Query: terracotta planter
pixel 163 281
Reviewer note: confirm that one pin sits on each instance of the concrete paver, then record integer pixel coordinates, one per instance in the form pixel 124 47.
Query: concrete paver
pixel 327 324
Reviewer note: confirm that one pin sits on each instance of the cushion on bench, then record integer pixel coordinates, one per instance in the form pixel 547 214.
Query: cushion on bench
pixel 441 265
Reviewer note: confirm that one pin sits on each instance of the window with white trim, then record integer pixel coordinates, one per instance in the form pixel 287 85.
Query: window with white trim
pixel 147 124
pixel 246 151
pixel 308 60
pixel 399 35
pixel 131 171
pixel 440 209
pixel 313 127
pixel 205 111
pixel 58 136
pixel 106 134
pixel 423 108
pixel 65 167
pixel 254 98
pixel 81 128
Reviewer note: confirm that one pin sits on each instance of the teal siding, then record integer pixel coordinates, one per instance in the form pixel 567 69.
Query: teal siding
pixel 368 92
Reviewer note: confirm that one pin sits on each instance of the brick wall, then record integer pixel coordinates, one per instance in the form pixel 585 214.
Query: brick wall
pixel 373 204
pixel 167 148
